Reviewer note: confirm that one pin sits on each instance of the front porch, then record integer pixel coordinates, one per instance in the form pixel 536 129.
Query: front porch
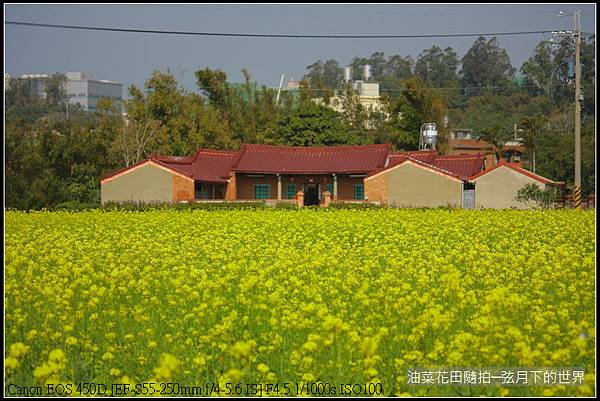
pixel 281 187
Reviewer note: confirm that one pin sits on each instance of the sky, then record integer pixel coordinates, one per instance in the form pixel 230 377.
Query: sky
pixel 130 58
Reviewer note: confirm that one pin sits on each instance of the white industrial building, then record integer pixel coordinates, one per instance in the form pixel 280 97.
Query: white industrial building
pixel 366 90
pixel 80 88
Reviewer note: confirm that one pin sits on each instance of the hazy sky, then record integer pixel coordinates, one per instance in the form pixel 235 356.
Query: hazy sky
pixel 131 57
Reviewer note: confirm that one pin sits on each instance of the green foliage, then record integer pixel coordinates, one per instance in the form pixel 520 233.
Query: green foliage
pixel 437 66
pixel 225 205
pixel 486 64
pixel 75 206
pixel 416 105
pixel 336 205
pixel 535 197
pixel 547 72
pixel 314 125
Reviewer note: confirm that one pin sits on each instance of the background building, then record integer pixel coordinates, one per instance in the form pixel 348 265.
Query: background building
pixel 80 89
pixel 83 90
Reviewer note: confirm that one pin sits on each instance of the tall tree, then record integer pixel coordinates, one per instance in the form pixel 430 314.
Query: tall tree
pixel 540 70
pixel 321 75
pixel 437 66
pixel 486 64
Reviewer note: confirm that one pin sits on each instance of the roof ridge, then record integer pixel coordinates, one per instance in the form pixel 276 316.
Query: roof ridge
pixel 517 168
pixel 283 147
pixel 431 166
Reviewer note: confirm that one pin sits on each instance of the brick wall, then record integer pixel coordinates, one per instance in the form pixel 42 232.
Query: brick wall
pixel 183 189
pixel 376 188
pixel 231 192
pixel 346 186
pixel 244 185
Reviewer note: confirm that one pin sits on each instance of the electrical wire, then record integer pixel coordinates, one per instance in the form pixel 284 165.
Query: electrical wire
pixel 268 35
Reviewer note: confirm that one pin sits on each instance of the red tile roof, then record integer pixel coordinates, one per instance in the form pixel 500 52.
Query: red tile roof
pixel 426 156
pixel 311 160
pixel 469 144
pixel 215 166
pixel 460 166
pixel 464 166
pixel 208 165
pixel 151 159
pixel 419 163
pixel 518 169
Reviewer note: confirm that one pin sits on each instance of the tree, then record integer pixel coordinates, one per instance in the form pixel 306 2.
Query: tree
pixel 135 139
pixel 324 75
pixel 56 92
pixel 20 102
pixel 550 71
pixel 486 64
pixel 539 70
pixel 214 85
pixel 416 105
pixel 533 128
pixel 437 67
pixel 314 125
pixel 497 137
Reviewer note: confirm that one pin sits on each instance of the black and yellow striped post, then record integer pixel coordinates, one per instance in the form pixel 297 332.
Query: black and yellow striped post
pixel 577 197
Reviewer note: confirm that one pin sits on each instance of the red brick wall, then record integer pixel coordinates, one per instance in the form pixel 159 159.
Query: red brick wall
pixel 183 189
pixel 245 185
pixel 376 188
pixel 346 186
pixel 231 192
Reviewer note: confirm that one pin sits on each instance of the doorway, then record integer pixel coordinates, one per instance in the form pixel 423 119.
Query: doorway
pixel 311 194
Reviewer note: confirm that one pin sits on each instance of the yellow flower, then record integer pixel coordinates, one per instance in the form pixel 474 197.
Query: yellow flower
pixel 17 350
pixel 11 363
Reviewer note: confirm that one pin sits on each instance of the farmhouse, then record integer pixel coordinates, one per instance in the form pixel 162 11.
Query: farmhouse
pixel 280 173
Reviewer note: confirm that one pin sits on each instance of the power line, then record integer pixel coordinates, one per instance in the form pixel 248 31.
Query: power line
pixel 269 35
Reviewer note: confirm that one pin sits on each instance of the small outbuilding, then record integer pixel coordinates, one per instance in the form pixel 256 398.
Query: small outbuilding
pixel 150 181
pixel 497 187
pixel 413 183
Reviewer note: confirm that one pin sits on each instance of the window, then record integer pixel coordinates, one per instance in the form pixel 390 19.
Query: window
pixel 290 191
pixel 329 187
pixel 200 191
pixel 261 191
pixel 359 191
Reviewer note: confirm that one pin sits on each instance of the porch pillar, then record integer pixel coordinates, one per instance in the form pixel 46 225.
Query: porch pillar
pixel 334 186
pixel 278 187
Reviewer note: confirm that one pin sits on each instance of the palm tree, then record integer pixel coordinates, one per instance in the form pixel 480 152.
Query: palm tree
pixel 533 128
pixel 495 136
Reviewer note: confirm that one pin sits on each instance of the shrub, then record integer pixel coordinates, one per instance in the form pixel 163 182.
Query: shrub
pixel 535 197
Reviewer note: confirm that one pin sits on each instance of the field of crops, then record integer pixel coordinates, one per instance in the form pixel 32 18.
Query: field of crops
pixel 202 299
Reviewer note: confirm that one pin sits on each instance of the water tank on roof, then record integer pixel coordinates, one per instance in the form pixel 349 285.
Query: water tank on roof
pixel 429 133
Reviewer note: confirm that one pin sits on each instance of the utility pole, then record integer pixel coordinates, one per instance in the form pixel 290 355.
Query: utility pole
pixel 578 99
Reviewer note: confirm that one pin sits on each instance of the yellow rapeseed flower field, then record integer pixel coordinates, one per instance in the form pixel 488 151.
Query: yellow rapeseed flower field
pixel 299 297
